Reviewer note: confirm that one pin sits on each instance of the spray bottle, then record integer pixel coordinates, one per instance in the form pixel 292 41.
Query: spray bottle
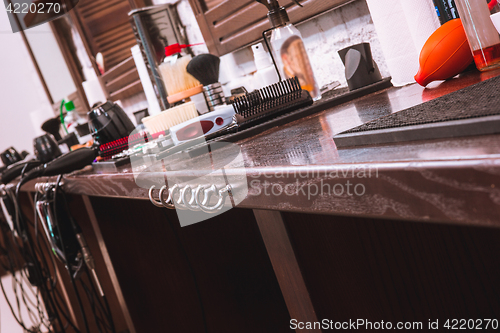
pixel 288 47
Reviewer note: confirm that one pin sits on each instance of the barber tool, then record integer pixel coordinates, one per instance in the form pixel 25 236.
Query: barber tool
pixel 53 126
pixel 249 111
pixel 46 149
pixel 15 170
pixel 279 98
pixel 206 124
pixel 171 117
pixel 60 235
pixel 74 160
pixel 179 83
pixel 108 122
pixel 205 68
pixel 10 156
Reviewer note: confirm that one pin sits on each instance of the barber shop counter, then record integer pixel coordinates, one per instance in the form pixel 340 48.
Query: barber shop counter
pixel 393 232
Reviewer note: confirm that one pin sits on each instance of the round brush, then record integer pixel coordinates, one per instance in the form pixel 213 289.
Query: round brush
pixel 205 68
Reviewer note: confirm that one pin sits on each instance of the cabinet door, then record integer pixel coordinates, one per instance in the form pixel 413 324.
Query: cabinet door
pixel 107 29
pixel 228 25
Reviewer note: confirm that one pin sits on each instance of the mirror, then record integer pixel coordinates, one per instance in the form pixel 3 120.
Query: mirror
pixel 50 61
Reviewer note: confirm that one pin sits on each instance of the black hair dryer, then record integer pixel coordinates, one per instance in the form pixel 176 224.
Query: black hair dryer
pixel 360 68
pixel 108 122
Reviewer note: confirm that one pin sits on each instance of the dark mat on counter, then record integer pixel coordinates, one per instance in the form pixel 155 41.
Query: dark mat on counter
pixel 474 110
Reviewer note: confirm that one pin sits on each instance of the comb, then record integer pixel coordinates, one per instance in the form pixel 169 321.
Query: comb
pixel 269 102
pixel 108 150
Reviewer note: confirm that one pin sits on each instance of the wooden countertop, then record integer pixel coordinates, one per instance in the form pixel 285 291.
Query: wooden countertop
pixel 446 180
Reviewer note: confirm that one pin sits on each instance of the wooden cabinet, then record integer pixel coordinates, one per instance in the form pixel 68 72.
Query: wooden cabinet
pixel 228 25
pixel 104 27
pixel 107 29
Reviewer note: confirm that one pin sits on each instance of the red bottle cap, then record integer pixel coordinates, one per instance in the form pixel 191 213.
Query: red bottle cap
pixel 176 48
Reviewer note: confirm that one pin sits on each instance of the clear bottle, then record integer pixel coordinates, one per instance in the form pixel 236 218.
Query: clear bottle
pixel 483 37
pixel 289 50
pixel 72 119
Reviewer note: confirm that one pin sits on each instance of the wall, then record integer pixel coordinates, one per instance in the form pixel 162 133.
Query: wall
pixel 329 33
pixel 21 94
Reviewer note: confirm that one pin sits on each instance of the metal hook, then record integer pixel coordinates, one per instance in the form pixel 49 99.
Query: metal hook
pixel 223 193
pixel 166 203
pixel 153 201
pixel 208 192
pixel 191 203
pixel 178 203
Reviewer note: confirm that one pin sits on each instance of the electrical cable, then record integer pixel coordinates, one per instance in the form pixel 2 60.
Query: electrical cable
pixel 105 310
pixel 28 251
pixel 53 288
pixel 12 270
pixel 40 276
pixel 92 295
pixel 52 259
pixel 18 319
pixel 11 308
pixel 37 270
pixel 68 265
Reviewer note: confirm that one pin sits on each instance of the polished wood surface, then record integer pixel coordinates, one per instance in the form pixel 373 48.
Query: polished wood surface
pixel 446 180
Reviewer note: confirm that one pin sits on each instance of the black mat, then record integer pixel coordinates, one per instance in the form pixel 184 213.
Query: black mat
pixel 473 110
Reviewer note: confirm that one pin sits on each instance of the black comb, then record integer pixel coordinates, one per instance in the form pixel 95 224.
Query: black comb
pixel 271 101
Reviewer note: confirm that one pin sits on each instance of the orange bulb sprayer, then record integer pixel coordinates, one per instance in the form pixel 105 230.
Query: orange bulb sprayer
pixel 445 54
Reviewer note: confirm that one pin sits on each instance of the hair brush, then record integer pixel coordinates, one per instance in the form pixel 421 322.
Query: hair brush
pixel 205 68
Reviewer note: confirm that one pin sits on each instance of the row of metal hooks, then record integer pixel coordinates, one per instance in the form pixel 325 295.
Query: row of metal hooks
pixel 187 198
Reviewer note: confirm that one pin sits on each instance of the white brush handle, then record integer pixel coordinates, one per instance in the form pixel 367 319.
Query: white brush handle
pixel 220 118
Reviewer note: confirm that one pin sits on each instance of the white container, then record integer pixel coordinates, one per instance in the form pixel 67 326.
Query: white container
pixel 495 18
pixel 154 106
pixel 266 73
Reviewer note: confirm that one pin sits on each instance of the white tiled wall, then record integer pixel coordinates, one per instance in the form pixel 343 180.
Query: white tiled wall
pixel 329 33
pixel 323 36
